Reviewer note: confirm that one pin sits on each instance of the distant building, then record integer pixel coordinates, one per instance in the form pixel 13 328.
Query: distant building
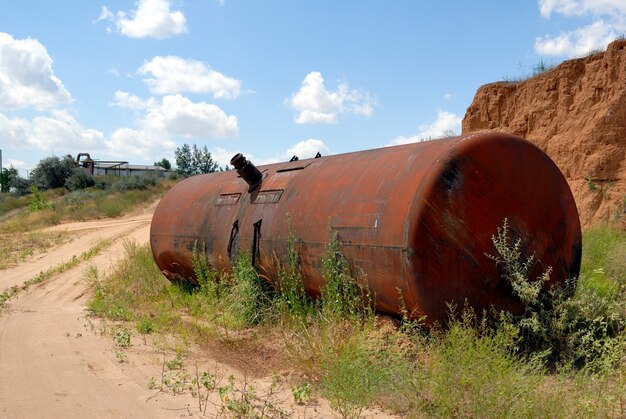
pixel 125 169
pixel 117 167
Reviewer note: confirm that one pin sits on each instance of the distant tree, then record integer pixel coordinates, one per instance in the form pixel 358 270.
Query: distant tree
pixel 183 160
pixel 164 163
pixel 193 160
pixel 202 161
pixel 7 178
pixel 52 172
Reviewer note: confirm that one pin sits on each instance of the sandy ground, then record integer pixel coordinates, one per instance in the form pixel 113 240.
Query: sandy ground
pixel 55 362
pixel 52 363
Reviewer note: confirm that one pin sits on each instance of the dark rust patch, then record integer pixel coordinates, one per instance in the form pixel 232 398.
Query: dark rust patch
pixel 452 177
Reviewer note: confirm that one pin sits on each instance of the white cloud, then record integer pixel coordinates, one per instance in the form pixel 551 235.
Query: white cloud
pixel 445 125
pixel 105 14
pixel 26 76
pixel 177 115
pixel 307 149
pixel 158 122
pixel 315 104
pixel 580 41
pixel 60 130
pixel 151 19
pixel 144 144
pixel 130 101
pixel 114 72
pixel 609 23
pixel 582 7
pixel 447 96
pixel 172 74
pixel 223 156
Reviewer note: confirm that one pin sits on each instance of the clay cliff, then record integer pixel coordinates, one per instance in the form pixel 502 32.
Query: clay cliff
pixel 576 113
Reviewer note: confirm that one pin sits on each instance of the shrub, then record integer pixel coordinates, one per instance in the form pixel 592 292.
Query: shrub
pixel 77 199
pixel 103 182
pixel 37 201
pixel 564 331
pixel 353 374
pixel 145 326
pixel 53 172
pixel 111 206
pixel 135 182
pixel 7 177
pixel 79 179
pixel 517 266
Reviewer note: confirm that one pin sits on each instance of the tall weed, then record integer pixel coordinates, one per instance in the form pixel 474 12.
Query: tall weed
pixel 250 298
pixel 578 331
pixel 341 295
pixel 291 298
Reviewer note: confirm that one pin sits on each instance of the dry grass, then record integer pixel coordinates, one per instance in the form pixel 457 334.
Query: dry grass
pixel 19 247
pixel 357 360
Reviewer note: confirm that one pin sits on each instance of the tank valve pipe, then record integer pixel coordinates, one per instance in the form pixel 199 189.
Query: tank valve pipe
pixel 247 171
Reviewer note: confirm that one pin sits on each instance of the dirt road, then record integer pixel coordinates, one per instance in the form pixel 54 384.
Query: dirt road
pixel 53 361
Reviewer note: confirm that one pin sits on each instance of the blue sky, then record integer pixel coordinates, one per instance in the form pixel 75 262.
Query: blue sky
pixel 132 80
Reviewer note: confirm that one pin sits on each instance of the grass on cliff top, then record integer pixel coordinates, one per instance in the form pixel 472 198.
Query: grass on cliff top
pixel 355 359
pixel 526 72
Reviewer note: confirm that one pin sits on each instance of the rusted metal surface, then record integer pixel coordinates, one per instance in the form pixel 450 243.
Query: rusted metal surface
pixel 414 221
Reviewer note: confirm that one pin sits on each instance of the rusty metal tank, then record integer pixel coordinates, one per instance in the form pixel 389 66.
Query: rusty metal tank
pixel 414 221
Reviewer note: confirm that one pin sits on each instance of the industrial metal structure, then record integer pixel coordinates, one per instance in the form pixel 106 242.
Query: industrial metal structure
pixel 116 167
pixel 414 221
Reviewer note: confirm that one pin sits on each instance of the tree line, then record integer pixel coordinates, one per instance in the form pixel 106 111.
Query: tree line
pixel 51 172
pixel 55 172
pixel 192 160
